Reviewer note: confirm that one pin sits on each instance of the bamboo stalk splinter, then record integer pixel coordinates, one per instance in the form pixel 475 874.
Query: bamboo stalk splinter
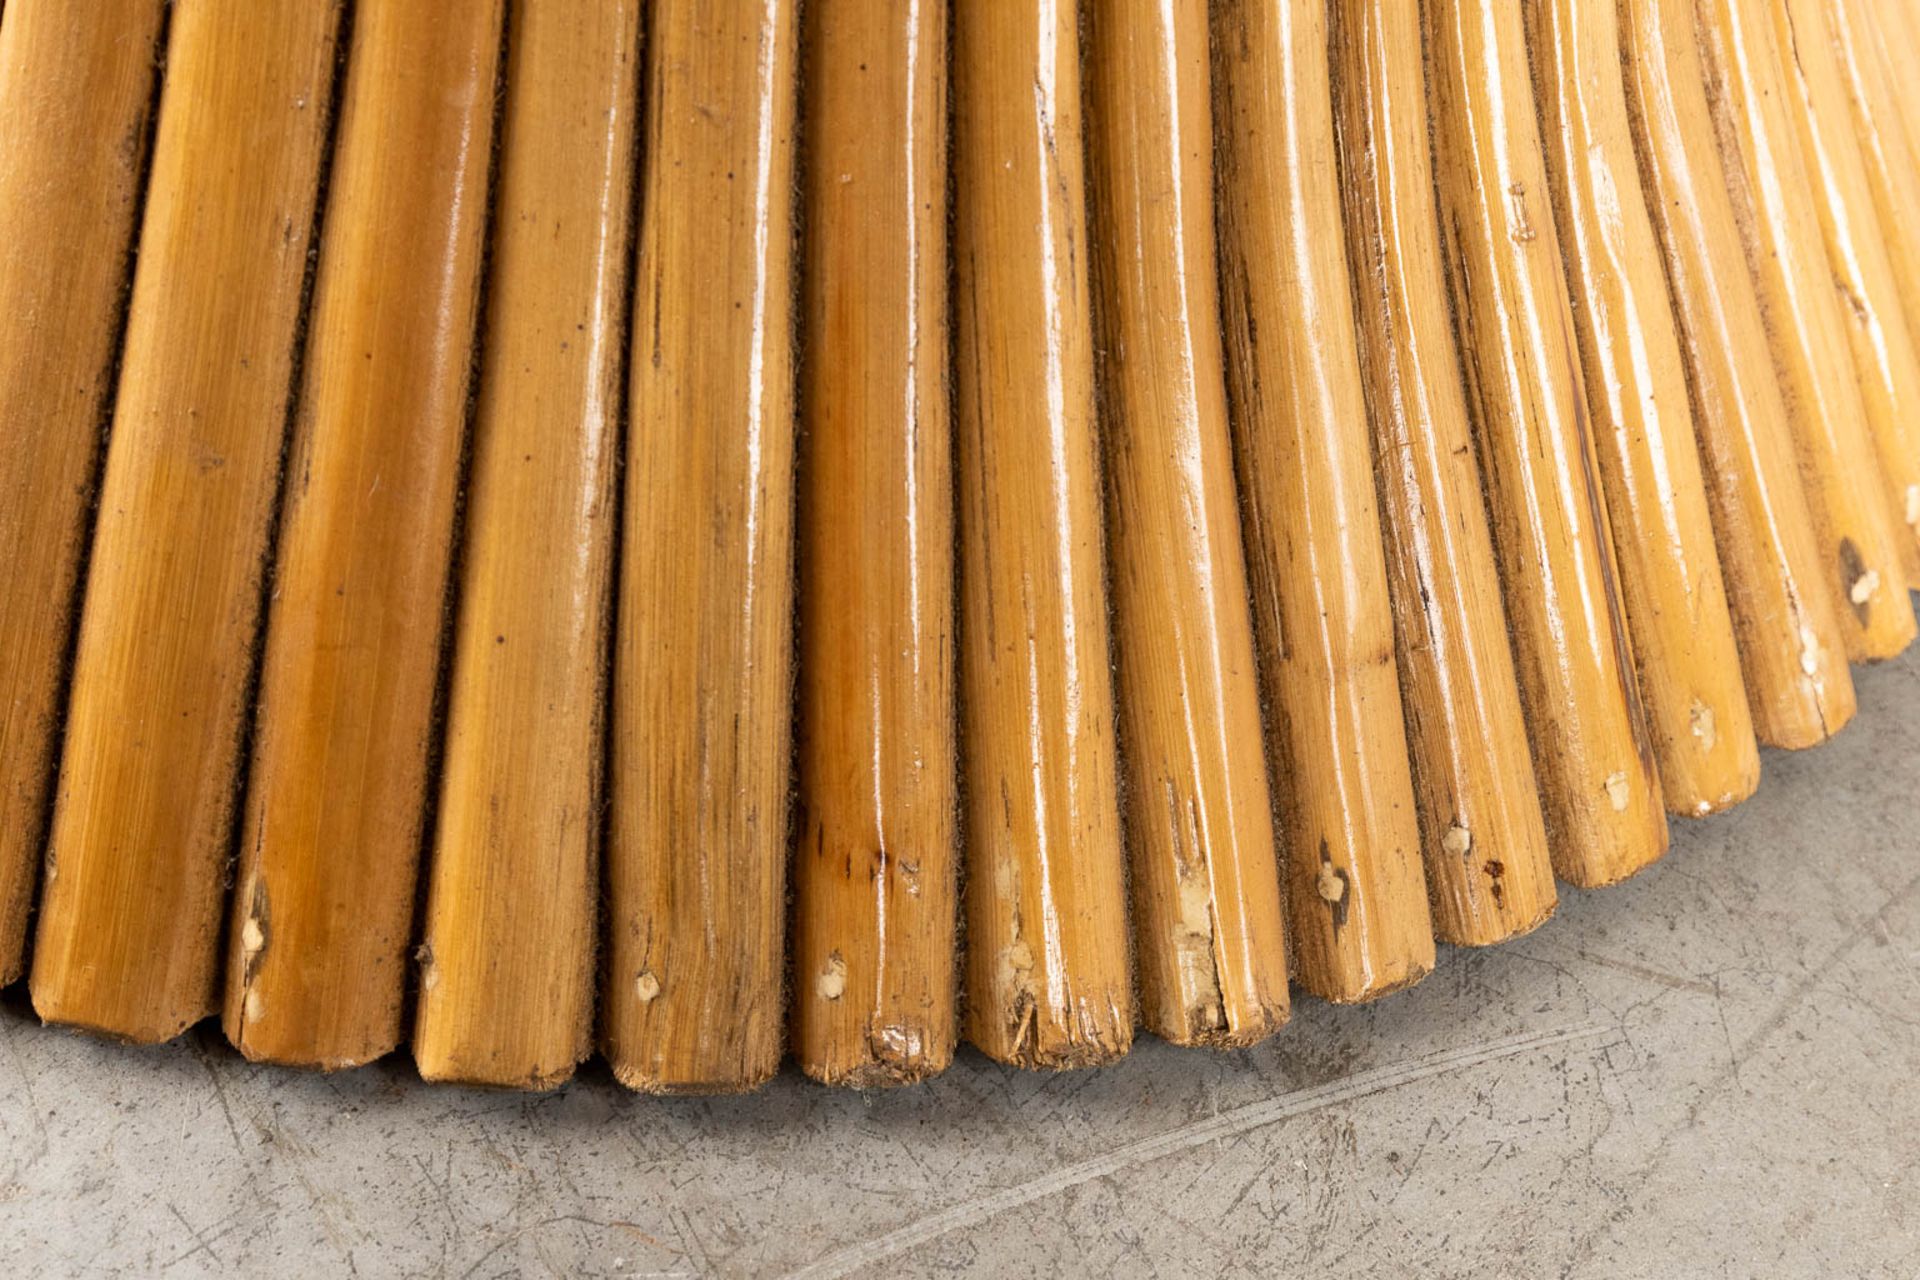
pixel 1485 843
pixel 1596 768
pixel 1357 894
pixel 1209 936
pixel 696 883
pixel 1047 979
pixel 506 961
pixel 128 939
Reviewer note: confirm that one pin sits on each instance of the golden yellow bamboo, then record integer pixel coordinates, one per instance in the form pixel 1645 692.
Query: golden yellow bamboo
pixel 76 91
pixel 1884 359
pixel 1891 154
pixel 1669 571
pixel 338 792
pixel 1774 208
pixel 1481 831
pixel 877 839
pixel 1357 893
pixel 128 939
pixel 1047 982
pixel 1524 387
pixel 506 964
pixel 1778 583
pixel 1209 938
pixel 702 670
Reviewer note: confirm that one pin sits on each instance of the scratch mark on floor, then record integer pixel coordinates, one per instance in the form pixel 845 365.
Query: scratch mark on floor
pixel 1226 1124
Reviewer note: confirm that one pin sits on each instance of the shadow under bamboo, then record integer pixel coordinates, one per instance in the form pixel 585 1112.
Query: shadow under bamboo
pixel 1481 831
pixel 1774 208
pixel 1210 944
pixel 128 939
pixel 1778 583
pixel 1885 363
pixel 76 92
pixel 338 791
pixel 1591 748
pixel 1047 978
pixel 702 697
pixel 1669 572
pixel 876 849
pixel 506 964
pixel 1357 896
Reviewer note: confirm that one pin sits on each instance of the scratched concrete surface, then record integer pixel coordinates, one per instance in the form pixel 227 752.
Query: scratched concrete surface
pixel 1709 1071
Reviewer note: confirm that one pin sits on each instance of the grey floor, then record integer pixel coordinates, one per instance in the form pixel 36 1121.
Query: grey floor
pixel 1709 1071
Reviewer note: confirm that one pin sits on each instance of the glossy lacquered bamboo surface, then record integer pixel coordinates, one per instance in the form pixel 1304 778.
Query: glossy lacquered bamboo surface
pixel 76 91
pixel 1778 583
pixel 1481 831
pixel 1884 359
pixel 339 790
pixel 1891 155
pixel 1775 208
pixel 128 935
pixel 876 843
pixel 703 671
pixel 1596 767
pixel 1210 946
pixel 1047 980
pixel 1356 890
pixel 1669 572
pixel 506 961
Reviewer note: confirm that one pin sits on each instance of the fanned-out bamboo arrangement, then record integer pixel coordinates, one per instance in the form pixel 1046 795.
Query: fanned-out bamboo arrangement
pixel 719 529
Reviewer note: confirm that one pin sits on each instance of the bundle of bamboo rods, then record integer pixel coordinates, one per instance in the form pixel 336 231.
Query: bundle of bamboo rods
pixel 725 528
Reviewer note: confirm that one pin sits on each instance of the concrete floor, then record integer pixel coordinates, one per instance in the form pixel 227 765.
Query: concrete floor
pixel 1708 1071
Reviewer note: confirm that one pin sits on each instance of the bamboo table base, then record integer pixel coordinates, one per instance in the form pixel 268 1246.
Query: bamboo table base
pixel 714 529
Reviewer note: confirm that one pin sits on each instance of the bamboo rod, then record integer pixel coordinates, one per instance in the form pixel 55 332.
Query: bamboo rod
pixel 1891 154
pixel 128 936
pixel 1780 230
pixel 702 669
pixel 1047 980
pixel 1481 830
pixel 76 92
pixel 1885 362
pixel 1670 586
pixel 1596 768
pixel 323 910
pixel 1357 894
pixel 875 900
pixel 506 965
pixel 1208 929
pixel 1778 583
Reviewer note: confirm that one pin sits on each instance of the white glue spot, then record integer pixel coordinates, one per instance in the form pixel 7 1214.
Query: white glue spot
pixel 832 982
pixel 1457 840
pixel 254 1007
pixel 1700 720
pixel 1617 790
pixel 1809 651
pixel 646 988
pixel 1333 886
pixel 251 939
pixel 1913 504
pixel 1864 586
